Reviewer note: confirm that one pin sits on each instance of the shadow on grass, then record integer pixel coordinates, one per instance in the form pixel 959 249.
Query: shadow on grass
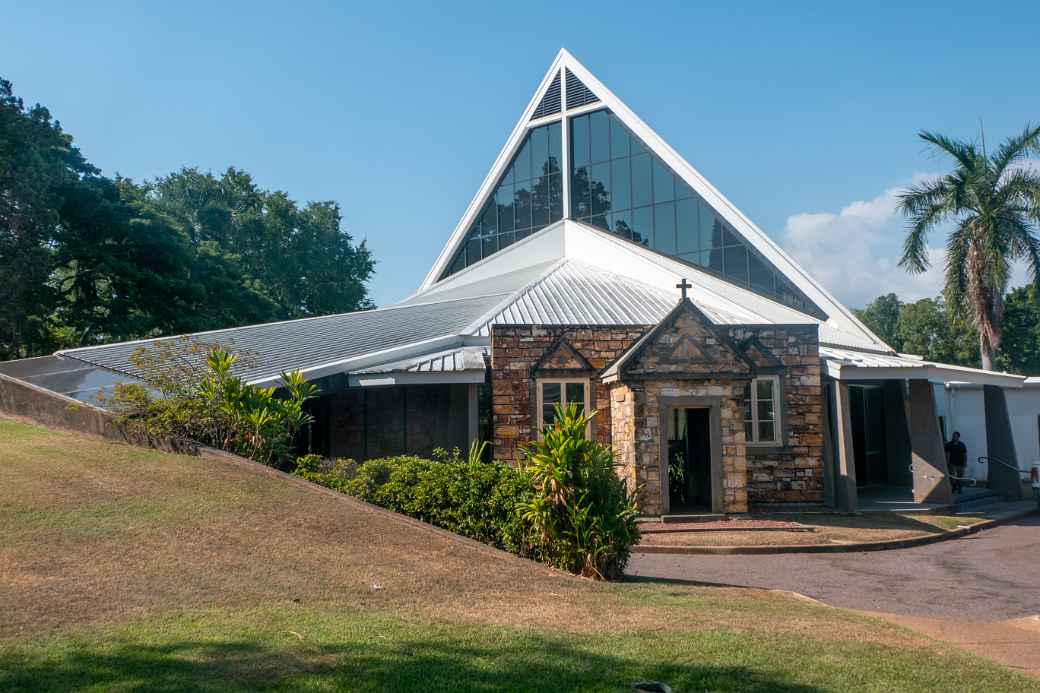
pixel 530 664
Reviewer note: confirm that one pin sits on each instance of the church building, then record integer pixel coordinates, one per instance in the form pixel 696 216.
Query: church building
pixel 595 266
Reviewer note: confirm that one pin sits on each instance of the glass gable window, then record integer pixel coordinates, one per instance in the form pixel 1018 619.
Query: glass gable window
pixel 528 197
pixel 762 411
pixel 618 185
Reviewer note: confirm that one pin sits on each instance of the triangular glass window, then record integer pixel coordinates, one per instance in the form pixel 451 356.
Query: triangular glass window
pixel 527 198
pixel 617 184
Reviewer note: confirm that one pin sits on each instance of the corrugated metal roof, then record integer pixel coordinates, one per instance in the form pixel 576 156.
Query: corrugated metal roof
pixel 860 359
pixel 500 284
pixel 68 377
pixel 312 342
pixel 578 293
pixel 470 358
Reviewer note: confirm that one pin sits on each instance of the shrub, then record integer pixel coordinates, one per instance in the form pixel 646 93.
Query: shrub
pixel 190 393
pixel 582 516
pixel 466 496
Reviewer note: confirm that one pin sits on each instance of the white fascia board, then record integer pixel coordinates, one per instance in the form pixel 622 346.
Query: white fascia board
pixel 543 246
pixel 843 318
pixel 935 373
pixel 371 359
pixel 407 378
pixel 497 168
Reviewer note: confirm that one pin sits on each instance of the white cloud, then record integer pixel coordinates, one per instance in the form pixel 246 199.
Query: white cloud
pixel 855 252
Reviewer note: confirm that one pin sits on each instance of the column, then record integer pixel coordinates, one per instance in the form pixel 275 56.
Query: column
pixel 845 493
pixel 931 479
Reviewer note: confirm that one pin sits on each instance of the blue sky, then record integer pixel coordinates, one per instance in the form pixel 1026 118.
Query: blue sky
pixel 804 117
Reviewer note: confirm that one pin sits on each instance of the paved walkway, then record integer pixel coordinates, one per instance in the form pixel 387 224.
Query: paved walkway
pixel 991 575
pixel 981 592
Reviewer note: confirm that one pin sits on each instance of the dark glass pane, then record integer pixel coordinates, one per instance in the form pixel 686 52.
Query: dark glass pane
pixel 714 260
pixel 550 396
pixel 764 393
pixel 522 233
pixel 555 147
pixel 507 177
pixel 664 227
pixel 760 274
pixel 522 162
pixel 540 202
pixel 664 182
pixel 459 263
pixel 747 431
pixel 555 197
pixel 683 191
pixel 619 139
pixel 641 190
pixel 576 395
pixel 599 136
pixel 730 237
pixel 599 187
pixel 736 264
pixel 505 240
pixel 686 222
pixel 489 219
pixel 599 220
pixel 699 259
pixel 621 185
pixel 472 250
pixel 642 225
pixel 580 141
pixel 489 245
pixel 621 224
pixel 522 206
pixel 637 145
pixel 504 202
pixel 580 203
pixel 539 151
pixel 766 431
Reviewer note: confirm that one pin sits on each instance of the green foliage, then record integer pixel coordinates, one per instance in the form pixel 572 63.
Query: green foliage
pixel 1020 348
pixel 882 316
pixel 466 496
pixel 582 514
pixel 191 393
pixel 87 259
pixel 994 204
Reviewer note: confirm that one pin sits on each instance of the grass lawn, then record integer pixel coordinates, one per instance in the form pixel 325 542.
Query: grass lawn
pixel 130 569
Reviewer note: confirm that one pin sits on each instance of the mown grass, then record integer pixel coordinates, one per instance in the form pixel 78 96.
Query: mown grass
pixel 128 569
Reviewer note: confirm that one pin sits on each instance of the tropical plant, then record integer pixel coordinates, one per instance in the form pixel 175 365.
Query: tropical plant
pixel 190 392
pixel 582 514
pixel 994 202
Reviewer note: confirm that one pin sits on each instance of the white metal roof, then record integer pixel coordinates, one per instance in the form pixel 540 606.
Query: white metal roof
pixel 467 358
pixel 847 364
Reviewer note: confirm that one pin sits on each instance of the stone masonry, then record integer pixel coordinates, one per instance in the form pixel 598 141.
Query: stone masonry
pixel 516 350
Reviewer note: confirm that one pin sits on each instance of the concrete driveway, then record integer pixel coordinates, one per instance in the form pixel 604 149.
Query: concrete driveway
pixel 989 576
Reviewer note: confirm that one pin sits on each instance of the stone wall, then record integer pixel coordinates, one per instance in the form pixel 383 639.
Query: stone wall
pixel 515 351
pixel 649 425
pixel 793 472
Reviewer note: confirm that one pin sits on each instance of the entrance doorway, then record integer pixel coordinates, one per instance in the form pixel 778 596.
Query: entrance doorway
pixel 869 439
pixel 689 459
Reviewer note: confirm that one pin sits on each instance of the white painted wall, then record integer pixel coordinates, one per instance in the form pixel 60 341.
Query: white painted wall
pixel 965 411
pixel 1024 408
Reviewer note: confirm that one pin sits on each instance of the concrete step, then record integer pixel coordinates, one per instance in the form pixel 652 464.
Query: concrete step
pixel 693 517
pixel 976 500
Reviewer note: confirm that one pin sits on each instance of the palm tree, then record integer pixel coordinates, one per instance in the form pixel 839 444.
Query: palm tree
pixel 994 204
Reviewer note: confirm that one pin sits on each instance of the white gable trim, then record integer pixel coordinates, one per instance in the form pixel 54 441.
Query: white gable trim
pixel 842 318
pixel 497 169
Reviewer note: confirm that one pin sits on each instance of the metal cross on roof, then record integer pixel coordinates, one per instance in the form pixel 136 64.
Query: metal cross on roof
pixel 683 286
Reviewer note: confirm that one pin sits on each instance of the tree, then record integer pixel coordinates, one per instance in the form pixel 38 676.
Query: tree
pixel 882 316
pixel 928 328
pixel 994 203
pixel 37 165
pixel 1020 348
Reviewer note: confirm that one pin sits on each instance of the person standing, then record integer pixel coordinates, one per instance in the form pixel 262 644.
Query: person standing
pixel 957 460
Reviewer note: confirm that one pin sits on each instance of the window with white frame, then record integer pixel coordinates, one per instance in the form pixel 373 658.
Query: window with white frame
pixel 562 391
pixel 762 411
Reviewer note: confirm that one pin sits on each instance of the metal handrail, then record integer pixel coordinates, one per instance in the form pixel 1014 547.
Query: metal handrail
pixel 983 459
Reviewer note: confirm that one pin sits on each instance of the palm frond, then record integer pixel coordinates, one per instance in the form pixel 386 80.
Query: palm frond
pixel 1015 149
pixel 926 205
pixel 964 152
